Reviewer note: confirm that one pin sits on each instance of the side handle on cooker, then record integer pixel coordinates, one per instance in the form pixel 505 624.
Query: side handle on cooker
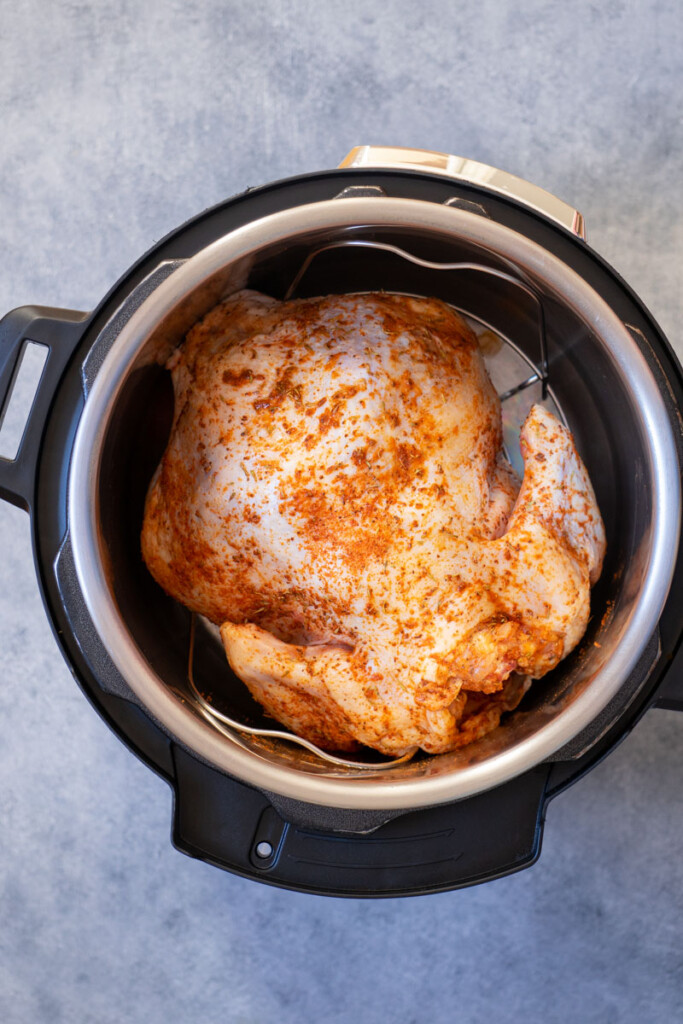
pixel 473 172
pixel 59 330
pixel 223 821
pixel 670 692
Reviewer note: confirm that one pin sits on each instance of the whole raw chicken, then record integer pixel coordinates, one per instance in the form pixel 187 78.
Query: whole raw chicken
pixel 334 495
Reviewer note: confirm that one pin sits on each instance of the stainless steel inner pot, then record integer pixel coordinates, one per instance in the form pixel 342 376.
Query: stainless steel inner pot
pixel 602 383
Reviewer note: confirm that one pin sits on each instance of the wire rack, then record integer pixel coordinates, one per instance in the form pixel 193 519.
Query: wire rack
pixel 512 372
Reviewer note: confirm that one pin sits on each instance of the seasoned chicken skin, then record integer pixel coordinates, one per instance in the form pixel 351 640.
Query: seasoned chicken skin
pixel 335 497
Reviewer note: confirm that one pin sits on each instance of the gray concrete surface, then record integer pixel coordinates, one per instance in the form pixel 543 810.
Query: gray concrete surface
pixel 120 120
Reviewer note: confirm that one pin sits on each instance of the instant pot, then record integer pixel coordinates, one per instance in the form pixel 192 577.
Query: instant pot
pixel 513 259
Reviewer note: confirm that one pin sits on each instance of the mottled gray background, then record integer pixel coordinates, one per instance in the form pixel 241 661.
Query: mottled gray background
pixel 120 120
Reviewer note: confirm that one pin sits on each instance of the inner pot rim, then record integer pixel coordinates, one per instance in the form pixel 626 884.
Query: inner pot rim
pixel 83 497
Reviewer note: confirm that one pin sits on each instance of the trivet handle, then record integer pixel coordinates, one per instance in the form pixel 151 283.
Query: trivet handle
pixel 59 330
pixel 473 172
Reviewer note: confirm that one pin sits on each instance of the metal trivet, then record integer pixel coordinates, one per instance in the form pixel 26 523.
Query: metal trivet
pixel 220 720
pixel 537 377
pixel 229 726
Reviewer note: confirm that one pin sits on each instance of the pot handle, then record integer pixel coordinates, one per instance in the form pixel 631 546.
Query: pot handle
pixel 225 822
pixel 59 331
pixel 669 695
pixel 472 172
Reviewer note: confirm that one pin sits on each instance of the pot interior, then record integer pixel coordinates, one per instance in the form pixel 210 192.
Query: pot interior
pixel 587 386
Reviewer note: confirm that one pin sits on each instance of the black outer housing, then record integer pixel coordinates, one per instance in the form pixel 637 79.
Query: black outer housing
pixel 217 818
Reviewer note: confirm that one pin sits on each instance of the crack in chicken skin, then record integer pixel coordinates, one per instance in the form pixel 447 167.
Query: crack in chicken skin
pixel 335 497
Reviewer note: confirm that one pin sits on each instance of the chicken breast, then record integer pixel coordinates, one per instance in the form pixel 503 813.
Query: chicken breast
pixel 335 497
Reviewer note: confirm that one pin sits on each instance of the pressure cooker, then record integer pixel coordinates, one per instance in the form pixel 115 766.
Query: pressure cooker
pixel 515 261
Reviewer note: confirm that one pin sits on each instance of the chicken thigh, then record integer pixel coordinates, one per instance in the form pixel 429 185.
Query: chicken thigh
pixel 335 497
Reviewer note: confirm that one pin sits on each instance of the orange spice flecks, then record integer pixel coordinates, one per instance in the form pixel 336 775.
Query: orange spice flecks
pixel 334 494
